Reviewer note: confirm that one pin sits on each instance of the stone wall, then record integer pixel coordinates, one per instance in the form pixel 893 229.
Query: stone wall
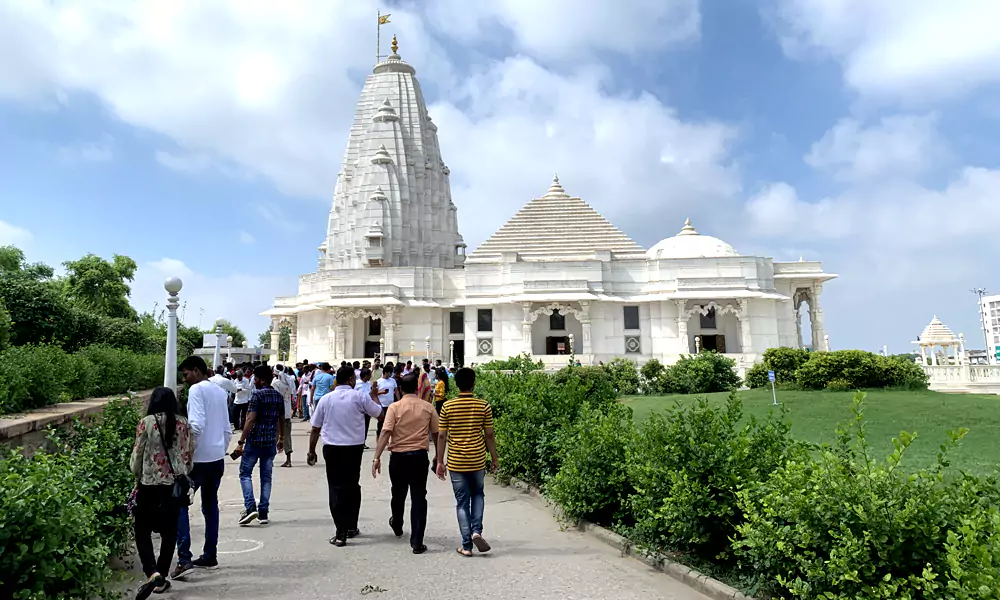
pixel 28 431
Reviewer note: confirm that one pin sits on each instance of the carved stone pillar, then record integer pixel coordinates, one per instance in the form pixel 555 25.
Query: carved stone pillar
pixel 746 342
pixel 340 340
pixel 390 324
pixel 293 340
pixel 683 343
pixel 816 318
pixel 526 327
pixel 275 340
pixel 798 325
pixel 585 322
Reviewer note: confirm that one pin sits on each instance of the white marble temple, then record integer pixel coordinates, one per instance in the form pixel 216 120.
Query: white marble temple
pixel 393 276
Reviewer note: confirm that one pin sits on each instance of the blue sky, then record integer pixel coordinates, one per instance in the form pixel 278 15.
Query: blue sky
pixel 205 142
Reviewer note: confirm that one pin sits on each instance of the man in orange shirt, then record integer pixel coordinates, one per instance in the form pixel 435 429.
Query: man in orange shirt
pixel 409 422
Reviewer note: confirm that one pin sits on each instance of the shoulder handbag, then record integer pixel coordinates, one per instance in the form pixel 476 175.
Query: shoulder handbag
pixel 182 486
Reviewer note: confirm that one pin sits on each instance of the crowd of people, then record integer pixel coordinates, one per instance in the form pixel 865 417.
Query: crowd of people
pixel 180 451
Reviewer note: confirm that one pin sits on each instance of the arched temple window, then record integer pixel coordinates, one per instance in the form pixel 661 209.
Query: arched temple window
pixel 557 322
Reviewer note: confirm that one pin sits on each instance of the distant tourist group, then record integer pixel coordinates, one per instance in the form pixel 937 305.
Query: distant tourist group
pixel 176 456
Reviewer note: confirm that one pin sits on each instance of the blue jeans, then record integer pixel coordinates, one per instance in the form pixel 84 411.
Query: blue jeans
pixel 206 477
pixel 470 500
pixel 304 402
pixel 252 454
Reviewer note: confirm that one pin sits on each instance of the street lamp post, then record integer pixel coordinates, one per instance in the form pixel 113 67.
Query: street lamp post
pixel 451 353
pixel 427 347
pixel 381 345
pixel 980 292
pixel 229 348
pixel 217 357
pixel 173 287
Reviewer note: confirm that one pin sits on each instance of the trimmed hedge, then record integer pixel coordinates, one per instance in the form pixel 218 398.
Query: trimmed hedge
pixel 743 500
pixel 63 515
pixel 36 376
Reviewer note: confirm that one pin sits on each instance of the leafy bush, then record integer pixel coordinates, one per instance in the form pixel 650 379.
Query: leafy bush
pixel 651 377
pixel 756 376
pixel 4 326
pixel 534 413
pixel 857 369
pixel 842 525
pixel 785 362
pixel 521 362
pixel 700 374
pixel 687 466
pixel 61 524
pixel 592 481
pixel 623 375
pixel 37 376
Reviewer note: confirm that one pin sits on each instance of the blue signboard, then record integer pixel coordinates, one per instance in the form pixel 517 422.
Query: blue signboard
pixel 770 376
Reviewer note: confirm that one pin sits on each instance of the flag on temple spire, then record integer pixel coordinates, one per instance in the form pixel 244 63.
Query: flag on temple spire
pixel 383 19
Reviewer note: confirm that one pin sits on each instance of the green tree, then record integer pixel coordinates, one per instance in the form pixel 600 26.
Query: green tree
pixel 284 340
pixel 12 263
pixel 229 329
pixel 101 286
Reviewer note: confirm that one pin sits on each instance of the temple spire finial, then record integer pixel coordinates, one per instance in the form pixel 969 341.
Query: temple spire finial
pixel 556 189
pixel 395 45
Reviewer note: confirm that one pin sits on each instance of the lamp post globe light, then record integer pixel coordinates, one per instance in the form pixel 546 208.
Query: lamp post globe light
pixel 173 287
pixel 229 348
pixel 217 357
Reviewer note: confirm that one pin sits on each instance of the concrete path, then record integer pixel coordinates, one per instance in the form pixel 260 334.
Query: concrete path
pixel 532 556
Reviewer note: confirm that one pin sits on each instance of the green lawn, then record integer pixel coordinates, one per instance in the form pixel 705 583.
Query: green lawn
pixel 815 416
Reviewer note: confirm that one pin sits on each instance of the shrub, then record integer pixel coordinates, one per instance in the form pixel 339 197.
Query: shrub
pixel 700 374
pixel 756 376
pixel 592 481
pixel 592 384
pixel 785 362
pixel 521 362
pixel 61 524
pixel 37 376
pixel 857 369
pixel 842 525
pixel 651 376
pixel 623 375
pixel 4 326
pixel 687 467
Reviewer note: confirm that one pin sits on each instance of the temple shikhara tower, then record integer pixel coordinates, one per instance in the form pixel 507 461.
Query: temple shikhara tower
pixel 393 277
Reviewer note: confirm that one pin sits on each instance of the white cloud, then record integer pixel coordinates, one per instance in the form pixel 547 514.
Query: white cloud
pixel 908 50
pixel 246 238
pixel 88 152
pixel 238 297
pixel 12 235
pixel 564 29
pixel 186 163
pixel 902 146
pixel 253 84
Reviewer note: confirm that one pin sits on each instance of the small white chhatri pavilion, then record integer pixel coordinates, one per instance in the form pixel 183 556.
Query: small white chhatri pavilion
pixel 939 346
pixel 393 276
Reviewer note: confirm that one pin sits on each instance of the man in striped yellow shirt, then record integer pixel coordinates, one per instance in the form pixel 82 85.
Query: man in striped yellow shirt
pixel 466 426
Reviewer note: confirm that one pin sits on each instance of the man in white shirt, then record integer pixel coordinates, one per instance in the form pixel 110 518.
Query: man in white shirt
pixel 208 415
pixel 386 396
pixel 227 384
pixel 364 385
pixel 339 419
pixel 287 390
pixel 244 387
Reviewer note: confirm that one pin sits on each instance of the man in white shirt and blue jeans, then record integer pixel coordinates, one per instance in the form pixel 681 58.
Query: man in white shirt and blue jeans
pixel 339 419
pixel 208 415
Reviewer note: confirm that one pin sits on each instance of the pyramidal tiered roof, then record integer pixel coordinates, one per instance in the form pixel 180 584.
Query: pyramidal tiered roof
pixel 936 331
pixel 557 224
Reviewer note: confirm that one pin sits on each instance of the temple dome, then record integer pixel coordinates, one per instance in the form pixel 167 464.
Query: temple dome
pixel 690 244
pixel 936 331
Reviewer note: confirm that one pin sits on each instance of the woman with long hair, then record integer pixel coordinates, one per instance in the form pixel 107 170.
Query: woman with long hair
pixel 161 453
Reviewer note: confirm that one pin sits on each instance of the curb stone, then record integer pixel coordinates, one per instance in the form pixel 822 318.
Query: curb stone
pixel 696 580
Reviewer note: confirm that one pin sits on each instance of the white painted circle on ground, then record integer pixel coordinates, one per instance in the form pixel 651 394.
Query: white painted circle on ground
pixel 241 546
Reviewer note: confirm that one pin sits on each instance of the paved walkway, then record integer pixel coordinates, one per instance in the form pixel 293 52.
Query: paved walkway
pixel 532 556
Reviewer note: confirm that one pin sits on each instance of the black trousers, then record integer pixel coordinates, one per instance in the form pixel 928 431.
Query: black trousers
pixel 408 472
pixel 343 477
pixel 155 510
pixel 240 415
pixel 381 421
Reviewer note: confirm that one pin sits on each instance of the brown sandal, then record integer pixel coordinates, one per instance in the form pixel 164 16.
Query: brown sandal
pixel 464 552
